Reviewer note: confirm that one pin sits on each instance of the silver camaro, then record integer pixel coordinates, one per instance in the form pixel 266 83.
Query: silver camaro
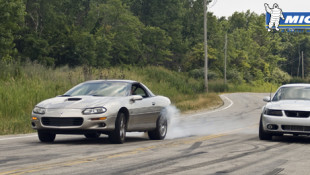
pixel 287 112
pixel 111 107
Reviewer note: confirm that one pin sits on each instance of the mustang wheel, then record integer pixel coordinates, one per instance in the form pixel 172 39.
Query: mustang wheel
pixel 263 135
pixel 92 135
pixel 119 134
pixel 46 137
pixel 161 129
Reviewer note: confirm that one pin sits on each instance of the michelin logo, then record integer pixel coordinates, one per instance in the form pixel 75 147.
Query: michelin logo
pixel 297 19
pixel 276 19
pixel 275 15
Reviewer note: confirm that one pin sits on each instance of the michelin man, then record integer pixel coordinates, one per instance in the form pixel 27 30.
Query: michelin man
pixel 276 14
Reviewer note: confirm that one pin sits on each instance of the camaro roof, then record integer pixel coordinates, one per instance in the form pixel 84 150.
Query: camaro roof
pixel 296 85
pixel 114 80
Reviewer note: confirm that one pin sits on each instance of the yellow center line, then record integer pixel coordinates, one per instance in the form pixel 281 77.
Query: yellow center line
pixel 43 167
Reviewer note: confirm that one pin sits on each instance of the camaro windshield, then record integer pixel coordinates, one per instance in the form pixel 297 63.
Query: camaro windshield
pixel 292 93
pixel 110 89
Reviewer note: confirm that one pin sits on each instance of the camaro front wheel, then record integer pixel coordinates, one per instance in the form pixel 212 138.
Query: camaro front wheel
pixel 46 137
pixel 119 134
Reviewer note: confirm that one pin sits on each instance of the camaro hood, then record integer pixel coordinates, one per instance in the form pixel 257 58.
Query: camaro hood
pixel 76 102
pixel 292 105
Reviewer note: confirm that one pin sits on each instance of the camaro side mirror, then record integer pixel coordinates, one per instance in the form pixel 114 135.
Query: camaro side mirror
pixel 267 99
pixel 136 97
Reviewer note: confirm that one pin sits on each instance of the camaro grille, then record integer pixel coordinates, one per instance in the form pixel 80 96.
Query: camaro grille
pixel 295 128
pixel 297 114
pixel 61 121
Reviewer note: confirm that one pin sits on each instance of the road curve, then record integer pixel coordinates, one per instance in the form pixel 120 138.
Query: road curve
pixel 222 141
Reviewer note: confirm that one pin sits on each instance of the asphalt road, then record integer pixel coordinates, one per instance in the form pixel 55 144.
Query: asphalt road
pixel 223 141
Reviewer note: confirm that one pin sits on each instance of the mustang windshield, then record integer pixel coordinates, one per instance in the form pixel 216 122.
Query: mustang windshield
pixel 110 89
pixel 292 93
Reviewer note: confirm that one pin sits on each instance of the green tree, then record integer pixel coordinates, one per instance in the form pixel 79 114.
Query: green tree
pixel 11 20
pixel 168 15
pixel 156 43
pixel 125 31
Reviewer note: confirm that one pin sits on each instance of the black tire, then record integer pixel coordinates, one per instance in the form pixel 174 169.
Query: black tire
pixel 263 135
pixel 161 129
pixel 118 136
pixel 46 136
pixel 95 135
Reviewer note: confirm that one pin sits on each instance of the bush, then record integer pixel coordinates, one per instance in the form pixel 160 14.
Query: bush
pixel 218 86
pixel 200 74
pixel 234 76
pixel 279 76
pixel 298 80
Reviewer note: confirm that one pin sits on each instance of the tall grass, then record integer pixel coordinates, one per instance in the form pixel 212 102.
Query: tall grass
pixel 19 94
pixel 257 86
pixel 23 86
pixel 253 87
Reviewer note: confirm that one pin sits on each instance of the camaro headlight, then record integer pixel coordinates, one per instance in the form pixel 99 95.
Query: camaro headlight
pixel 39 110
pixel 274 112
pixel 97 110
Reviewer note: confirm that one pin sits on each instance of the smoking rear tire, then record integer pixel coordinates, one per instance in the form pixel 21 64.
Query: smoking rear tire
pixel 161 129
pixel 46 137
pixel 263 135
pixel 119 134
pixel 92 135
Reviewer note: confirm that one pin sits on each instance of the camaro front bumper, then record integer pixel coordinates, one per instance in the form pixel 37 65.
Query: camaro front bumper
pixel 64 121
pixel 286 125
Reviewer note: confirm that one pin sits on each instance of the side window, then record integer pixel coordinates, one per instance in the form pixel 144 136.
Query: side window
pixel 138 90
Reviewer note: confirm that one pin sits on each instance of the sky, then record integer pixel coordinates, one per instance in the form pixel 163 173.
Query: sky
pixel 228 7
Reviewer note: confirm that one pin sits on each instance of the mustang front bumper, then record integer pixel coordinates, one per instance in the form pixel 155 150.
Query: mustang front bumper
pixel 284 124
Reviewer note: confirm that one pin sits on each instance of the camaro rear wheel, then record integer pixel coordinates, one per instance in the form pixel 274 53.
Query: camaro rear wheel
pixel 119 134
pixel 263 135
pixel 46 137
pixel 92 135
pixel 161 129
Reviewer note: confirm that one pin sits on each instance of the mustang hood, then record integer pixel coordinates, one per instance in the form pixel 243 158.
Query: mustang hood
pixel 293 105
pixel 76 102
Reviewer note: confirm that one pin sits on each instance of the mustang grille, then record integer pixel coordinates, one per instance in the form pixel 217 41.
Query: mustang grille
pixel 295 128
pixel 297 114
pixel 61 121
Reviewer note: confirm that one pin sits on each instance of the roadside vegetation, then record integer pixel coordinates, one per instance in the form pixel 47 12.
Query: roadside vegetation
pixel 23 86
pixel 46 47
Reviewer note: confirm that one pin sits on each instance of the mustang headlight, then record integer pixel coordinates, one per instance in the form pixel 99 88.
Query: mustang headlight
pixel 274 112
pixel 97 110
pixel 39 110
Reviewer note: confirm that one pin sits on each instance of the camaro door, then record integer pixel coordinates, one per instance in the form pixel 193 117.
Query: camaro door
pixel 143 113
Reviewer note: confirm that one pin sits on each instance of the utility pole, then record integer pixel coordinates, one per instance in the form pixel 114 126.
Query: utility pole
pixel 302 64
pixel 298 61
pixel 205 8
pixel 225 60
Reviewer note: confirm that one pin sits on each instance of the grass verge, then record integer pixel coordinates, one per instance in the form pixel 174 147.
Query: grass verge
pixel 23 86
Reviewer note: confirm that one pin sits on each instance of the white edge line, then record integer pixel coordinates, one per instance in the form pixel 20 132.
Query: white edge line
pixel 217 110
pixel 12 138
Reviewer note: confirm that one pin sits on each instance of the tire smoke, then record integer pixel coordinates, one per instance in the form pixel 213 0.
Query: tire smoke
pixel 175 128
